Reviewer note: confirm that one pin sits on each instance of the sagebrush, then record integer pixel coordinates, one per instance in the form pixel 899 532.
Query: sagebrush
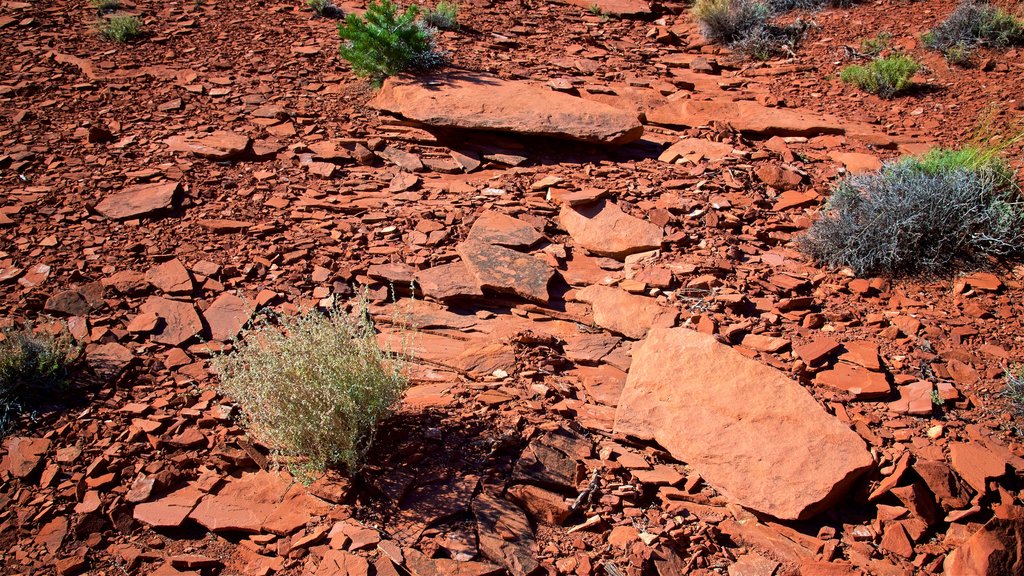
pixel 922 215
pixel 1014 391
pixel 443 16
pixel 313 387
pixel 33 370
pixel 385 42
pixel 746 26
pixel 886 77
pixel 102 6
pixel 972 24
pixel 122 28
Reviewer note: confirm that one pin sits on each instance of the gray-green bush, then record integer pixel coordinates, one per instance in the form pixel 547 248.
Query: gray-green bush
pixel 313 387
pixel 33 370
pixel 974 23
pixel 921 215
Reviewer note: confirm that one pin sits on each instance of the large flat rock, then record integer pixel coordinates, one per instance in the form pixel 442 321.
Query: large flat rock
pixel 140 200
pixel 746 428
pixel 604 229
pixel 746 116
pixel 476 101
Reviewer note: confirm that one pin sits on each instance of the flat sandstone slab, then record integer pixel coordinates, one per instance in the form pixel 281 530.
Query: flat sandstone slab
pixel 481 102
pixel 746 428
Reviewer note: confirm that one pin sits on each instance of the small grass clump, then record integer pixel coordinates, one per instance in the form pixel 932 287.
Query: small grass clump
pixel 443 16
pixel 875 45
pixel 33 368
pixel 1014 391
pixel 922 215
pixel 974 23
pixel 313 387
pixel 324 8
pixel 121 28
pixel 886 77
pixel 383 42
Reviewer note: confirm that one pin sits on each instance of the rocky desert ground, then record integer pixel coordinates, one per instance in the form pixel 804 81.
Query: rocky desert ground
pixel 621 360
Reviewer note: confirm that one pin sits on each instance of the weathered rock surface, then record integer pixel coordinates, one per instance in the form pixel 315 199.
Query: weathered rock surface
pixel 179 320
pixel 503 230
pixel 505 534
pixel 220 145
pixel 619 311
pixel 481 102
pixel 604 229
pixel 141 200
pixel 995 550
pixel 745 116
pixel 505 270
pixel 746 428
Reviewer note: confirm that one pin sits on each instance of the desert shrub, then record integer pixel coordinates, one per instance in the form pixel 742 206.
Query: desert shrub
pixel 443 16
pixel 1014 391
pixel 33 368
pixel 971 24
pixel 383 42
pixel 103 6
pixel 746 26
pixel 324 8
pixel 121 28
pixel 886 77
pixel 313 387
pixel 921 214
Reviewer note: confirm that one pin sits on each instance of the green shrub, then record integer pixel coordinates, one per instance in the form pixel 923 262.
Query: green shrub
pixel 1014 391
pixel 313 387
pixel 971 24
pixel 122 28
pixel 33 368
pixel 444 16
pixel 384 43
pixel 886 77
pixel 921 215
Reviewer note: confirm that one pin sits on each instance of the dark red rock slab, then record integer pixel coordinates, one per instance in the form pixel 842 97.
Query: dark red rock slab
pixel 504 270
pixel 24 454
pixel 226 316
pixel 448 282
pixel 179 320
pixel 171 510
pixel 221 145
pixel 505 535
pixel 493 227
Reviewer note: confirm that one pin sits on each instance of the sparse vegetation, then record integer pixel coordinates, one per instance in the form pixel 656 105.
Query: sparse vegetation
pixel 875 45
pixel 324 8
pixel 313 387
pixel 1015 391
pixel 974 23
pixel 383 42
pixel 745 26
pixel 33 367
pixel 104 6
pixel 922 214
pixel 886 77
pixel 122 28
pixel 443 16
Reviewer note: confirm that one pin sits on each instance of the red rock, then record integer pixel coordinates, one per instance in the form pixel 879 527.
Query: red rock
pixel 140 200
pixel 778 178
pixel 763 343
pixel 622 312
pixel 856 162
pixel 679 375
pixel 622 536
pixel 544 505
pixel 975 464
pixel 169 511
pixel 25 454
pixel 854 380
pixel 226 316
pixel 983 281
pixel 997 549
pixel 615 7
pixel 896 541
pixel 604 229
pixel 180 320
pixel 143 323
pixel 914 398
pixel 816 352
pixel 505 270
pixel 222 145
pixel 475 101
pixel 745 116
pixel 224 226
pixel 52 534
pixel 448 281
pixel 341 563
pixel 108 360
pixel 404 160
pixel 603 383
pixel 395 273
pixel 863 354
pixel 252 504
pixel 496 228
pixel 504 533
pixel 171 277
pixel 695 150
